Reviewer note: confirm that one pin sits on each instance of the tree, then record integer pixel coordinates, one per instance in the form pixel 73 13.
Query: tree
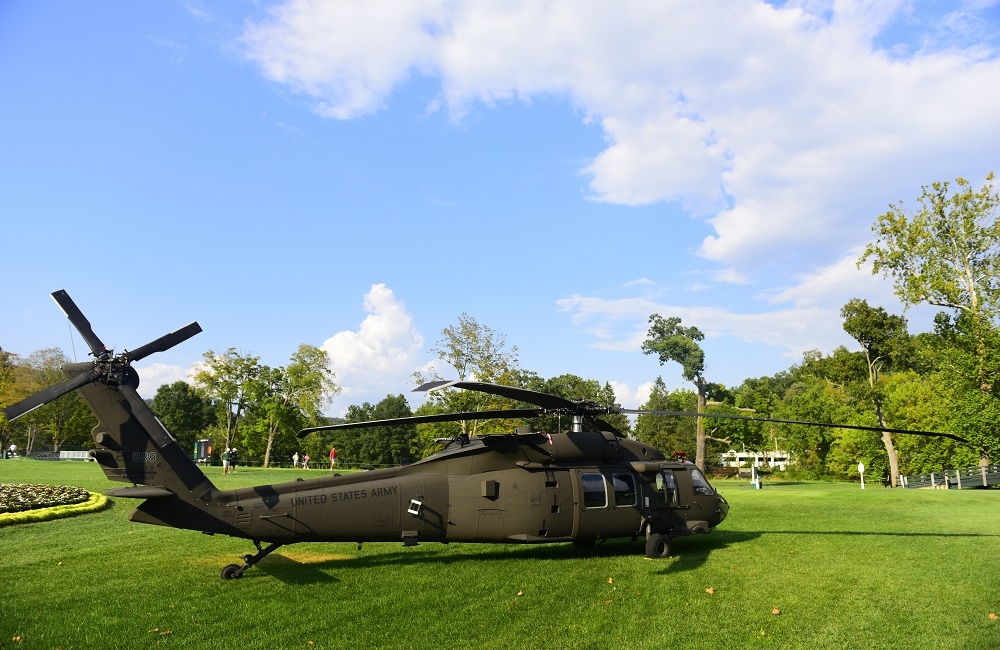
pixel 386 445
pixel 480 353
pixel 758 397
pixel 883 338
pixel 184 411
pixel 61 421
pixel 285 398
pixel 672 342
pixel 813 400
pixel 667 433
pixel 572 387
pixel 227 379
pixel 8 392
pixel 947 254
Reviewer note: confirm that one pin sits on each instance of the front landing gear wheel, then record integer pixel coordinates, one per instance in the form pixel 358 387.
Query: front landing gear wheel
pixel 231 571
pixel 657 546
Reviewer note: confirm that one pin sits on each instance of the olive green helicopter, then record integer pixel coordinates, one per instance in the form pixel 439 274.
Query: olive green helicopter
pixel 582 485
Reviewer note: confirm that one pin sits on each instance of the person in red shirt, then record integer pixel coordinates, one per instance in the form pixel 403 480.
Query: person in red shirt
pixel 333 458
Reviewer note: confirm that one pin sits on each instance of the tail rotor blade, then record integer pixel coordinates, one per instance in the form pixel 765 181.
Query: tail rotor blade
pixel 46 395
pixel 79 321
pixel 164 342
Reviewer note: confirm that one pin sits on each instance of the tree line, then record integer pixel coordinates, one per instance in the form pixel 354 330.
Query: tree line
pixel 945 253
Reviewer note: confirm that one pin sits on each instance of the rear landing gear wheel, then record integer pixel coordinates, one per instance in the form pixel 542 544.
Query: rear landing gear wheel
pixel 231 571
pixel 657 546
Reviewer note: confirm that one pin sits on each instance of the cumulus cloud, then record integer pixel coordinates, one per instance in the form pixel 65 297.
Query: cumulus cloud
pixel 380 356
pixel 154 375
pixel 788 127
pixel 769 121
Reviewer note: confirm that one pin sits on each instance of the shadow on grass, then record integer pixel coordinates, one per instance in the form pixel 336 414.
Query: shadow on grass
pixel 876 533
pixel 689 553
pixel 293 572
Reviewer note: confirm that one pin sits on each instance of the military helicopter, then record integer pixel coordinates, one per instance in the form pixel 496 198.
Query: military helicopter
pixel 586 484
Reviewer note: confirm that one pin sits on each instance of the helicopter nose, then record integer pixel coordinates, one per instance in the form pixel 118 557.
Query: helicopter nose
pixel 723 508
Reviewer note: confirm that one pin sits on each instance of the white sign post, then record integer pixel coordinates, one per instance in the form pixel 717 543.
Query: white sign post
pixel 861 470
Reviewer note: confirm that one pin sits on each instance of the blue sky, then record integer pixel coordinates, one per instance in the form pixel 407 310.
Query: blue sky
pixel 357 175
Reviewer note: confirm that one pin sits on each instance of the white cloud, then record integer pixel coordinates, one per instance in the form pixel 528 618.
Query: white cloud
pixel 772 122
pixel 154 375
pixel 810 321
pixel 629 397
pixel 379 358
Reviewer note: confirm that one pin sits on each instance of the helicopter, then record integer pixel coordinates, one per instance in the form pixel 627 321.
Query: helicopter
pixel 583 485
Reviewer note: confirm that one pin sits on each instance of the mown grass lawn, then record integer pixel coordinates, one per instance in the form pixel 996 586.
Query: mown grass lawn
pixel 844 568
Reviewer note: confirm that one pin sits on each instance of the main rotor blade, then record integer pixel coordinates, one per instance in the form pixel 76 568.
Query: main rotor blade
pixel 731 416
pixel 165 342
pixel 544 400
pixel 500 414
pixel 46 395
pixel 604 425
pixel 79 321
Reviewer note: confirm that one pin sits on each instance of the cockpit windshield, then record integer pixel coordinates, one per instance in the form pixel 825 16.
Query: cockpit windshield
pixel 700 484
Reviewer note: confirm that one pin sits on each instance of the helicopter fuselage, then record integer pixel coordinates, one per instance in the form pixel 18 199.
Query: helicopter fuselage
pixel 528 488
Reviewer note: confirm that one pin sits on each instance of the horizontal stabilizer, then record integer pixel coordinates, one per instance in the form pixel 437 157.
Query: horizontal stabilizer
pixel 144 492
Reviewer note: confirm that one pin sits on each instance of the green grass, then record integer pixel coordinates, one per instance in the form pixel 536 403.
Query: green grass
pixel 846 568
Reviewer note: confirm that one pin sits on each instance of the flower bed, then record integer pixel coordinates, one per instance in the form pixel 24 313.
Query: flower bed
pixel 19 497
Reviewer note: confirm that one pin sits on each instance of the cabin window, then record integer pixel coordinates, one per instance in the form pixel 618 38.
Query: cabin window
pixel 700 484
pixel 595 491
pixel 666 488
pixel 625 493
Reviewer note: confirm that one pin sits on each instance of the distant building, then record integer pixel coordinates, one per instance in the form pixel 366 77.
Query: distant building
pixel 773 459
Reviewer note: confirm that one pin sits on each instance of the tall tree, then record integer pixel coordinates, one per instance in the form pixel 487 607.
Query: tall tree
pixel 883 338
pixel 480 353
pixel 672 342
pixel 947 254
pixel 285 398
pixel 227 379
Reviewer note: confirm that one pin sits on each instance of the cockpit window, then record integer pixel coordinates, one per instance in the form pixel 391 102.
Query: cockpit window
pixel 666 488
pixel 625 494
pixel 595 491
pixel 700 484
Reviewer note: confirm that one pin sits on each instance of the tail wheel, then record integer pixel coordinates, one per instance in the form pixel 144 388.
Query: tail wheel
pixel 231 571
pixel 657 546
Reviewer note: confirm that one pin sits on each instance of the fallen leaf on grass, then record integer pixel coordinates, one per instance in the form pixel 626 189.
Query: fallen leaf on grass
pixel 775 611
pixel 993 616
pixel 610 581
pixel 710 591
pixel 607 602
pixel 520 593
